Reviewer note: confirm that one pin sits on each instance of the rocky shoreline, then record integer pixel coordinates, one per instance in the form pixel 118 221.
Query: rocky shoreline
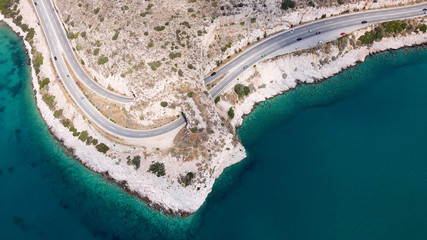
pixel 169 198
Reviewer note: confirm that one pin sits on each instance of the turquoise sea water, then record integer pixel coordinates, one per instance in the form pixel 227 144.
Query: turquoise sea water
pixel 344 159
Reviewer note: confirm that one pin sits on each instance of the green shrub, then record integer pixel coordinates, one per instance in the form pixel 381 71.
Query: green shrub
pixel 286 4
pixel 180 73
pixel 164 104
pixel 44 83
pixel 96 10
pixel 193 129
pixel 173 55
pixel 79 47
pixel 70 35
pixel 159 28
pixel 370 36
pixel 66 123
pixel 217 99
pixel 423 28
pixel 154 65
pixel 241 90
pixel 190 94
pixel 253 20
pixel 58 113
pixel 186 180
pixel 83 136
pixel 150 43
pixel 102 60
pixel 157 168
pixel 49 100
pixel 190 66
pixel 98 43
pixel 136 161
pixel 116 35
pixel 30 34
pixel 102 147
pixel 340 2
pixel 231 112
pixel 393 26
pixel 96 51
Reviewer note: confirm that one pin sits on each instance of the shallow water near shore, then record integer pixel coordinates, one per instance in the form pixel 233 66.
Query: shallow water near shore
pixel 344 159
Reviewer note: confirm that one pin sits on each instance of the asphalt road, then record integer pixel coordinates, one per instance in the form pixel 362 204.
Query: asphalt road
pixel 74 91
pixel 58 44
pixel 46 12
pixel 277 43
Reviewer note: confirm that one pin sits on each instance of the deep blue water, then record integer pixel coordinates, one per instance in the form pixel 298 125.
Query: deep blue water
pixel 344 159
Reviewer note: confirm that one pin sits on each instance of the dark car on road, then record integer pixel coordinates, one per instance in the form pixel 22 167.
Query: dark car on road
pixel 317 33
pixel 213 74
pixel 299 39
pixel 363 22
pixel 55 58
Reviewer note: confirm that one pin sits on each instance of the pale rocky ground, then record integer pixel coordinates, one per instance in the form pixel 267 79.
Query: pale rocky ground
pixel 213 145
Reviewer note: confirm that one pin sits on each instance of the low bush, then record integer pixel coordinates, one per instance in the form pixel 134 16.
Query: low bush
pixel 49 100
pixel 231 113
pixel 102 147
pixel 164 104
pixel 58 113
pixel 136 161
pixel 102 60
pixel 157 168
pixel 186 180
pixel 159 28
pixel 217 99
pixel 44 83
pixel 154 65
pixel 83 136
pixel 286 4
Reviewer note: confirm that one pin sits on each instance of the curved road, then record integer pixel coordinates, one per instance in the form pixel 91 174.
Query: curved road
pixel 84 104
pixel 276 43
pixel 47 14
